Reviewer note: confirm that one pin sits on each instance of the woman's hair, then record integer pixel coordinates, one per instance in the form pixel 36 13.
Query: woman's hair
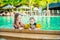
pixel 15 17
pixel 32 18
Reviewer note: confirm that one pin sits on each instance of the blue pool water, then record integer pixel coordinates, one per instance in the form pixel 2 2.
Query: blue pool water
pixel 48 23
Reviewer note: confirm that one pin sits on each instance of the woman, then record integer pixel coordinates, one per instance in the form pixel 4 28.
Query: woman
pixel 17 22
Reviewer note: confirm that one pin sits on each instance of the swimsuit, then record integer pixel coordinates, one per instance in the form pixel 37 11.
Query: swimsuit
pixel 18 27
pixel 33 26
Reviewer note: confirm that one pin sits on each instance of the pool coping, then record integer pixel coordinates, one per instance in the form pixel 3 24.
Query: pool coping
pixel 29 36
pixel 56 32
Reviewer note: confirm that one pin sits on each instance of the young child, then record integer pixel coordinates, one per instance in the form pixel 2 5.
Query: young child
pixel 17 22
pixel 33 25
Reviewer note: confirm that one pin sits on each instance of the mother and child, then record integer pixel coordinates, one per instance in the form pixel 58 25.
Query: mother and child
pixel 18 24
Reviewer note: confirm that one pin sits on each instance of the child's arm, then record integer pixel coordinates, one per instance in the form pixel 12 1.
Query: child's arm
pixel 38 26
pixel 37 29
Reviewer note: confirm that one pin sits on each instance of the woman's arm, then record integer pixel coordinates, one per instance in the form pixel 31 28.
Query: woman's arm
pixel 22 24
pixel 16 26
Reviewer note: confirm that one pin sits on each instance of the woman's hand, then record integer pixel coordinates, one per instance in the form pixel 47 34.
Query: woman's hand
pixel 21 28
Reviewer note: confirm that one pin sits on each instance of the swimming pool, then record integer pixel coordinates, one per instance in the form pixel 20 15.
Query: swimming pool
pixel 47 22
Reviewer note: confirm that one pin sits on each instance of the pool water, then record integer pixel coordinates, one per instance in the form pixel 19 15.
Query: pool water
pixel 48 23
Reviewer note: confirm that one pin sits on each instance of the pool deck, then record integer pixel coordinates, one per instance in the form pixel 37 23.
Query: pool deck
pixel 29 34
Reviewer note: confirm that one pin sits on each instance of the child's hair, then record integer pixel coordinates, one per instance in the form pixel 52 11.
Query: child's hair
pixel 32 18
pixel 15 17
